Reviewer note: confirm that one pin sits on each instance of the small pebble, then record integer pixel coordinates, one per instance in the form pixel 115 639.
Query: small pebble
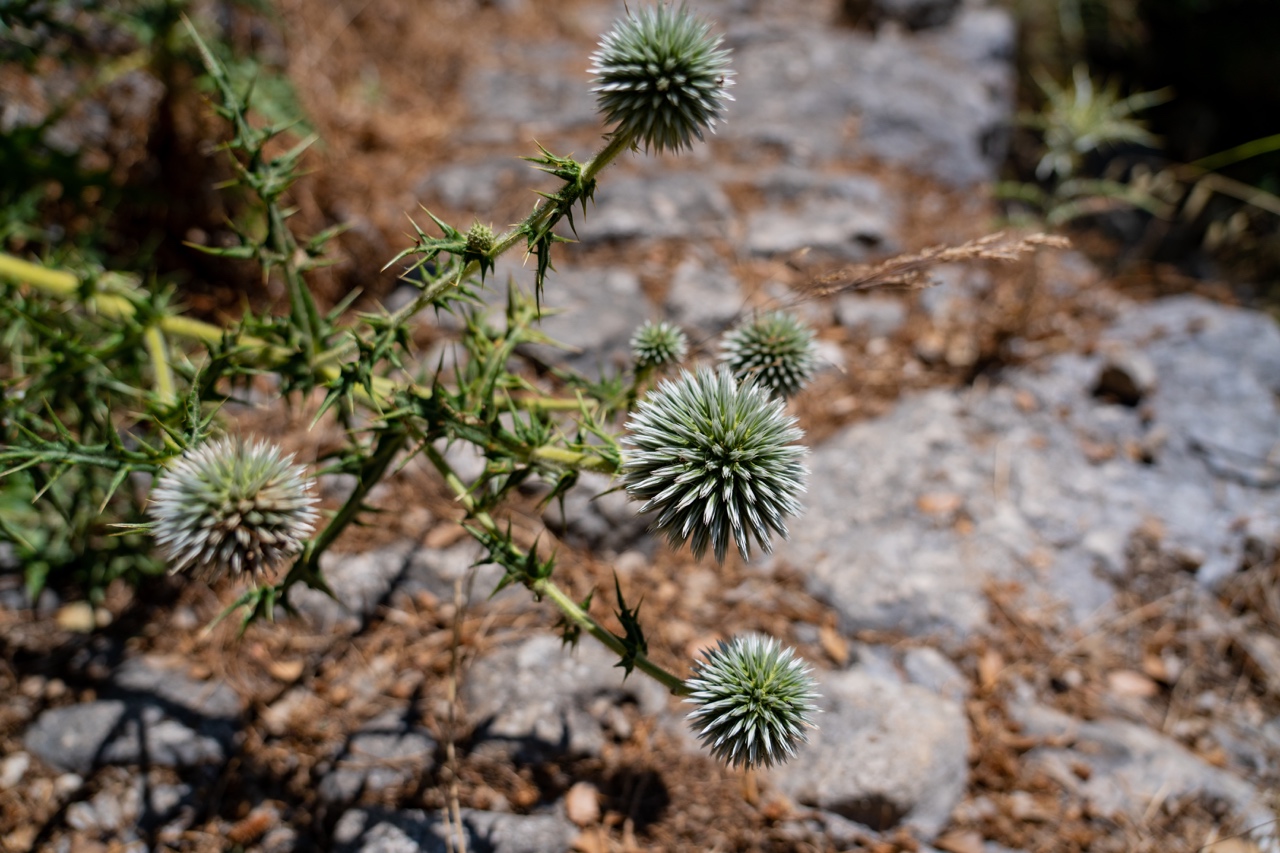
pixel 582 804
pixel 12 769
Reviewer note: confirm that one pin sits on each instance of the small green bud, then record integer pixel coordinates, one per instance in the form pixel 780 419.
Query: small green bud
pixel 777 349
pixel 658 344
pixel 479 239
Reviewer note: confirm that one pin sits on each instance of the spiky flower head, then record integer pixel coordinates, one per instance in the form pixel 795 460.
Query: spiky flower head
pixel 231 505
pixel 658 344
pixel 715 460
pixel 776 348
pixel 754 701
pixel 661 77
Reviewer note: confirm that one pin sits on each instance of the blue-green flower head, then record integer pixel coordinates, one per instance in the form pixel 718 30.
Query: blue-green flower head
pixel 755 701
pixel 657 345
pixel 777 349
pixel 661 77
pixel 715 460
pixel 232 506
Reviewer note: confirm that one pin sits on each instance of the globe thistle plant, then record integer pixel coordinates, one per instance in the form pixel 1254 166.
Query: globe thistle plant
pixel 715 460
pixel 232 506
pixel 658 344
pixel 661 77
pixel 755 701
pixel 776 348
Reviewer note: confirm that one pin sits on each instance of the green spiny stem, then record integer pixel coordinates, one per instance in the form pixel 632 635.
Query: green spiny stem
pixel 305 316
pixel 60 283
pixel 547 588
pixel 573 459
pixel 546 404
pixel 616 144
pixel 160 364
pixel 389 444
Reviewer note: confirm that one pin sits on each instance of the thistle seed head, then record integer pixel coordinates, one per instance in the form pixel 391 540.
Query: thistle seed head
pixel 658 344
pixel 661 77
pixel 776 348
pixel 232 506
pixel 715 460
pixel 754 701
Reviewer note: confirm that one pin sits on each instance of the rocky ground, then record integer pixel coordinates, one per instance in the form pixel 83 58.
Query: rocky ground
pixel 1037 576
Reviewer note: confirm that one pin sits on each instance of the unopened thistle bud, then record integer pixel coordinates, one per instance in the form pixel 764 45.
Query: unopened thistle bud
pixel 479 239
pixel 716 460
pixel 661 77
pixel 754 701
pixel 658 344
pixel 232 506
pixel 777 349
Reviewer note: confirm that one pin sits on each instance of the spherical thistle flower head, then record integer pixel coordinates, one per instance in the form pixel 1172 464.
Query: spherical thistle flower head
pixel 661 77
pixel 658 344
pixel 755 701
pixel 232 506
pixel 715 460
pixel 776 348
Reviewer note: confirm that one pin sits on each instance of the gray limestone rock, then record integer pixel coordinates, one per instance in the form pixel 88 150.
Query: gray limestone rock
pixel 843 229
pixel 595 312
pixel 148 736
pixel 155 714
pixel 385 752
pixel 360 582
pixel 436 570
pixel 659 204
pixel 873 316
pixel 73 738
pixel 597 516
pixel 113 731
pixel 913 14
pixel 541 699
pixel 884 754
pixel 1041 476
pixel 940 103
pixel 1130 765
pixel 946 111
pixel 703 294
pixel 415 831
pixel 478 186
pixel 167 681
pixel 538 90
pixel 932 670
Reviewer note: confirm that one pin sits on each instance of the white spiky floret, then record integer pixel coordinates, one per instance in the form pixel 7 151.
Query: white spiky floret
pixel 661 77
pixel 715 459
pixel 755 701
pixel 232 506
pixel 776 348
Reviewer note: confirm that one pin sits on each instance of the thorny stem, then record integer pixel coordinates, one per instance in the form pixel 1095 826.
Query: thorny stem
pixel 389 444
pixel 547 588
pixel 616 144
pixel 304 310
pixel 159 353
pixel 112 305
pixel 65 284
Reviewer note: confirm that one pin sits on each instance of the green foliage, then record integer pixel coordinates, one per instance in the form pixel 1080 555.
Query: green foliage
pixel 60 189
pixel 108 386
pixel 1076 123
